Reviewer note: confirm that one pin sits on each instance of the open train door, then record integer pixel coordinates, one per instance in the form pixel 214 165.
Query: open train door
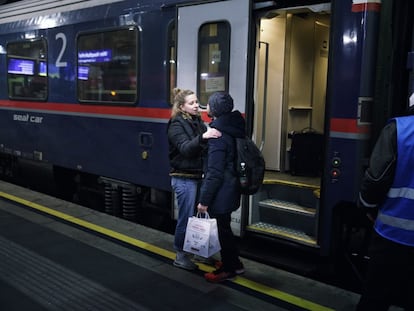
pixel 212 46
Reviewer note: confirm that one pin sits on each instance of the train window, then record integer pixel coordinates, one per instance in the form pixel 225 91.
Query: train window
pixel 172 68
pixel 27 69
pixel 213 59
pixel 107 66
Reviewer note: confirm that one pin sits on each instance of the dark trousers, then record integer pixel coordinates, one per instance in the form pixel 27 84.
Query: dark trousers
pixel 390 276
pixel 229 249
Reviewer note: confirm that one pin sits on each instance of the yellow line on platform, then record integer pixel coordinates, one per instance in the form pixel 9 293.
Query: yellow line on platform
pixel 266 290
pixel 91 226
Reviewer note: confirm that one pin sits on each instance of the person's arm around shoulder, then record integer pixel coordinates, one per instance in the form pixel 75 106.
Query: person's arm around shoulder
pixel 180 138
pixel 211 133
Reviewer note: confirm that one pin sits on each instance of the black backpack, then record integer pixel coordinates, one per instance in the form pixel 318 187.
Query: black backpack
pixel 250 165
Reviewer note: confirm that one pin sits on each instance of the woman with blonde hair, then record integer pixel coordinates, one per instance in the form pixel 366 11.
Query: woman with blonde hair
pixel 187 137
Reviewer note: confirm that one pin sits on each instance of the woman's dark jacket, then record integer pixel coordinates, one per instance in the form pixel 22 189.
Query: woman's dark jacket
pixel 186 145
pixel 220 189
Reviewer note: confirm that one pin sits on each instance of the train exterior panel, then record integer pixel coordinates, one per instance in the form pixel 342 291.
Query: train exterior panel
pixel 85 89
pixel 125 143
pixel 343 170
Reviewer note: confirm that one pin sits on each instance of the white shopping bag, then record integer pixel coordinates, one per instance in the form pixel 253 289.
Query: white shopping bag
pixel 201 236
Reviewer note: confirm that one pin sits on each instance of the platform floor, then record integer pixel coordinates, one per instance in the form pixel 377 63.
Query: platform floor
pixel 56 255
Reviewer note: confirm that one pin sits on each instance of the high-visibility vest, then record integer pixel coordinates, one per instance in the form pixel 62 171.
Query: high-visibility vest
pixel 395 219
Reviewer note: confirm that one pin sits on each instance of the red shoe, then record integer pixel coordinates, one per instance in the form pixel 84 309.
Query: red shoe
pixel 239 270
pixel 219 275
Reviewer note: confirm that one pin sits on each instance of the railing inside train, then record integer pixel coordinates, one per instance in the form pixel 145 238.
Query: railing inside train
pixel 264 94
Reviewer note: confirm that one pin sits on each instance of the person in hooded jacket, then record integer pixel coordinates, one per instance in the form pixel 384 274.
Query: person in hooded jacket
pixel 220 189
pixel 187 137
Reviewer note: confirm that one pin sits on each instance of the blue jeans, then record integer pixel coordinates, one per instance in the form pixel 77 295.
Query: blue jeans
pixel 185 190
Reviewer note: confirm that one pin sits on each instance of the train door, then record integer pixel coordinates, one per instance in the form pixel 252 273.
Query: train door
pixel 290 88
pixel 212 42
pixel 212 45
pixel 292 64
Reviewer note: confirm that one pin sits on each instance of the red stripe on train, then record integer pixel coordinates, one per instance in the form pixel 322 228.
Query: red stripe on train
pixel 349 126
pixel 361 7
pixel 144 112
pixel 90 109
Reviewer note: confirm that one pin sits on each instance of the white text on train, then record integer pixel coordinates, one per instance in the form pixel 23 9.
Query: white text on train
pixel 27 118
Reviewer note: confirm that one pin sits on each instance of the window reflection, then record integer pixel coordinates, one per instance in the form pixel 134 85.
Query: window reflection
pixel 27 69
pixel 107 66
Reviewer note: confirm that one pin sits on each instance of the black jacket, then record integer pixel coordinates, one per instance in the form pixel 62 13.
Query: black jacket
pixel 379 175
pixel 220 189
pixel 186 146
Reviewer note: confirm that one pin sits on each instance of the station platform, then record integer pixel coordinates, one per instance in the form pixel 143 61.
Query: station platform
pixel 56 255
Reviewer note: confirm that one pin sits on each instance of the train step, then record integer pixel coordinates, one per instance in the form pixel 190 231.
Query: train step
pixel 288 207
pixel 301 191
pixel 284 233
pixel 284 213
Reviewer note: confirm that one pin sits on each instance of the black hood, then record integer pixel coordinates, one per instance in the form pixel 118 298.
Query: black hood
pixel 231 123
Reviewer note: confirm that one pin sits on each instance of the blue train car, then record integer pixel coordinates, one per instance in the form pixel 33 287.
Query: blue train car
pixel 85 90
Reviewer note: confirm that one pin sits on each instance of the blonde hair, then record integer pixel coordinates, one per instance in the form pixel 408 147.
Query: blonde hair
pixel 179 96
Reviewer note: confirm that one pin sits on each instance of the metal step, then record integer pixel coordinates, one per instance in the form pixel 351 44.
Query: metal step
pixel 274 178
pixel 283 232
pixel 288 207
pixel 300 190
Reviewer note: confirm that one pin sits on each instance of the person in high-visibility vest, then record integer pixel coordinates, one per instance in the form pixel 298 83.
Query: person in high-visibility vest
pixel 387 195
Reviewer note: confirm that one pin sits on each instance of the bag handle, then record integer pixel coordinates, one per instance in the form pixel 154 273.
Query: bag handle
pixel 206 215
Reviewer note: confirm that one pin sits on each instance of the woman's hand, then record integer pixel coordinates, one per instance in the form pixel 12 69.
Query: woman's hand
pixel 211 133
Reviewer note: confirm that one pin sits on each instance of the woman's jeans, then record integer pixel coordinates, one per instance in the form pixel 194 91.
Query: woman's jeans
pixel 186 193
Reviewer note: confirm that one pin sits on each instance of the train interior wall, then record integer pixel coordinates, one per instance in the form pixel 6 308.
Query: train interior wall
pixel 292 66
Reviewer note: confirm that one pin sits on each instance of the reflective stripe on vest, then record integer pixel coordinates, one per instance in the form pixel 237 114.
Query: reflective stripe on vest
pixel 407 193
pixel 396 222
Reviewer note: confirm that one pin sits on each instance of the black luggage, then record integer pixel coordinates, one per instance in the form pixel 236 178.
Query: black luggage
pixel 306 150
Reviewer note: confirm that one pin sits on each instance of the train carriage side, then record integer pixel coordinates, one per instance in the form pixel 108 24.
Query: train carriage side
pixel 101 105
pixel 282 69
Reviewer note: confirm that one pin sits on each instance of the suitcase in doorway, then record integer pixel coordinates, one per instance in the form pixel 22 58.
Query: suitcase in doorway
pixel 305 157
